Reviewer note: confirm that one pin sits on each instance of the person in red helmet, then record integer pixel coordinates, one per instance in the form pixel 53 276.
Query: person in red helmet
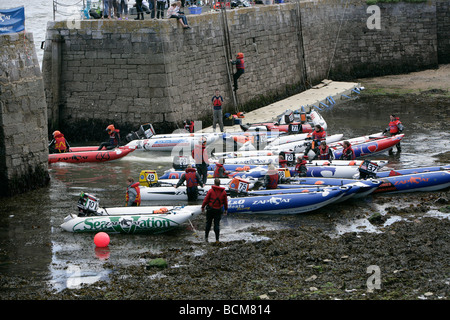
pixel 240 68
pixel 114 138
pixel 59 144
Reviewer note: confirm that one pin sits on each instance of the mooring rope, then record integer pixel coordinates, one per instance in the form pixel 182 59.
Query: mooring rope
pixel 337 38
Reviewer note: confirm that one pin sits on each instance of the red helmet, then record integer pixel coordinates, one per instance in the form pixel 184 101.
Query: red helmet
pixel 56 133
pixel 110 128
pixel 240 55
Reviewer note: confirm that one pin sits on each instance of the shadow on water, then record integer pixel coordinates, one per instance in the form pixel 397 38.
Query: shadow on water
pixel 32 243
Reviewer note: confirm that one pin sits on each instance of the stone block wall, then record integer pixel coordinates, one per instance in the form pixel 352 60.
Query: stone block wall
pixel 443 30
pixel 339 44
pixel 131 72
pixel 23 117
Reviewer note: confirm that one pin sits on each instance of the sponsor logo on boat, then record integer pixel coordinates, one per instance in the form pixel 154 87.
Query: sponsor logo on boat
pixel 74 157
pixel 124 225
pixel 412 180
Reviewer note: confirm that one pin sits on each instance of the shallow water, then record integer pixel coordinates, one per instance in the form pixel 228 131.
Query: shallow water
pixel 33 244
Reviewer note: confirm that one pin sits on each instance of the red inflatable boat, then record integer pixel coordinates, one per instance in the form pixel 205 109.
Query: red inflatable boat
pixel 89 154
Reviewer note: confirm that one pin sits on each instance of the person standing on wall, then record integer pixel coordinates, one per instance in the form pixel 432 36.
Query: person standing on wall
pixel 160 6
pixel 215 201
pixel 240 68
pixel 217 101
pixel 139 10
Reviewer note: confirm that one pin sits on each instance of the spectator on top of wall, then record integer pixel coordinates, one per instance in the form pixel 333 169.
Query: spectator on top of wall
pixel 174 12
pixel 123 9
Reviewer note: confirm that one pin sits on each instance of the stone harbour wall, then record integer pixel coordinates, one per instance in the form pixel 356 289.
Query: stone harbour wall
pixel 443 30
pixel 130 72
pixel 23 117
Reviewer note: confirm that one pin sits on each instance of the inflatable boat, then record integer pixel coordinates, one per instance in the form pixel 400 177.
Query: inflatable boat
pixel 390 173
pixel 176 142
pixel 160 193
pixel 143 219
pixel 260 171
pixel 361 188
pixel 146 139
pixel 425 181
pixel 300 146
pixel 289 122
pixel 89 154
pixel 291 203
pixel 371 147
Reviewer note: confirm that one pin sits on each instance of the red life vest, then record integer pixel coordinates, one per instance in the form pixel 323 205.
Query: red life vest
pixel 298 165
pixel 113 137
pixel 273 181
pixel 283 163
pixel 191 177
pixel 138 194
pixel 60 143
pixel 216 101
pixel 219 170
pixel 189 127
pixel 240 63
pixel 200 154
pixel 319 135
pixel 393 126
pixel 324 154
pixel 216 198
pixel 345 155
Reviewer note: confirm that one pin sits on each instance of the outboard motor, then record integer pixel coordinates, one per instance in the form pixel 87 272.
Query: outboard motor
pixel 87 205
pixel 148 178
pixel 289 156
pixel 368 169
pixel 288 116
pixel 180 162
pixel 146 131
pixel 238 187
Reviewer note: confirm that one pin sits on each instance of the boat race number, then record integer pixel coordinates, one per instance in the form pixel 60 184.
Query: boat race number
pixel 289 157
pixel 243 186
pixel 183 161
pixel 151 177
pixel 91 204
pixel 369 166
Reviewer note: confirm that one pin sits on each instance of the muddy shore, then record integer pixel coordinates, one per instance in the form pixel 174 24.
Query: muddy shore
pixel 304 263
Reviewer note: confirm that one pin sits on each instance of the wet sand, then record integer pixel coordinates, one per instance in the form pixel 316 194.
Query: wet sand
pixel 304 263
